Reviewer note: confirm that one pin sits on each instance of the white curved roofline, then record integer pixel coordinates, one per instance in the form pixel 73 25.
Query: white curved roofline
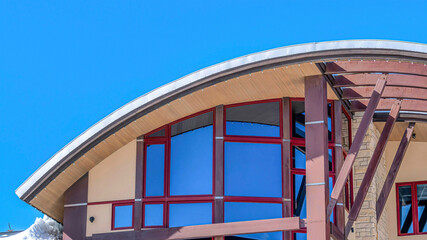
pixel 204 73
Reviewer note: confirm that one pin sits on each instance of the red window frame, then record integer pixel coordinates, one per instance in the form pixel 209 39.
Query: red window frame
pixel 113 214
pixel 166 199
pixel 414 202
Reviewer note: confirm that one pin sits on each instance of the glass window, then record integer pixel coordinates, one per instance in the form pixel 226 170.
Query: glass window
pixel 247 211
pixel 422 203
pixel 252 169
pixel 160 133
pixel 155 170
pixel 191 163
pixel 405 209
pixel 300 236
pixel 123 216
pixel 187 214
pixel 300 198
pixel 153 215
pixel 261 119
pixel 299 158
pixel 298 120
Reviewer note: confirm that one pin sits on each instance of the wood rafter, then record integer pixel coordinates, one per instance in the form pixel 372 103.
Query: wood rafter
pixel 373 165
pixel 357 142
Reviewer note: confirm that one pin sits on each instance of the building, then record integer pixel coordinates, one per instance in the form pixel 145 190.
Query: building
pixel 264 138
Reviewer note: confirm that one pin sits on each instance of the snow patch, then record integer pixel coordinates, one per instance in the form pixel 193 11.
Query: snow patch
pixel 42 229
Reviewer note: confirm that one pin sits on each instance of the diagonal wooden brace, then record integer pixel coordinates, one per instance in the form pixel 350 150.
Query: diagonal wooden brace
pixel 373 165
pixel 357 142
pixel 394 169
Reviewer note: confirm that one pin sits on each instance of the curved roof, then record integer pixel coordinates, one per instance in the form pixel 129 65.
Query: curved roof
pixel 320 52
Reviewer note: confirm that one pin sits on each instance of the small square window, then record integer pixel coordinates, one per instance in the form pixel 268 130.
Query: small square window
pixel 153 215
pixel 122 216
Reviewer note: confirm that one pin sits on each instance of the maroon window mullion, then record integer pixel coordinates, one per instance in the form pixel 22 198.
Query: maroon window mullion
pixel 415 208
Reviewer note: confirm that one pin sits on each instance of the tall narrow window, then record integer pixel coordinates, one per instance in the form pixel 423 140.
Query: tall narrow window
pixel 155 170
pixel 405 210
pixel 191 159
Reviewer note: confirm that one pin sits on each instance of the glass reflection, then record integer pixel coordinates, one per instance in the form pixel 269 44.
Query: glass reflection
pixel 298 120
pixel 300 236
pixel 262 119
pixel 405 209
pixel 247 211
pixel 422 203
pixel 123 216
pixel 160 133
pixel 188 214
pixel 191 163
pixel 153 214
pixel 299 158
pixel 155 170
pixel 252 169
pixel 300 198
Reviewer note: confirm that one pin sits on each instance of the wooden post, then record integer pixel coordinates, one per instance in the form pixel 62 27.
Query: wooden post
pixel 317 163
pixel 219 167
pixel 339 210
pixel 394 169
pixel 138 184
pixel 357 142
pixel 286 149
pixel 373 164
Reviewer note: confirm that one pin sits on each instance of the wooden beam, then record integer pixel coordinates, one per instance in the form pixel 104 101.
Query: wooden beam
pixel 317 163
pixel 394 169
pixel 286 150
pixel 336 233
pixel 137 216
pixel 210 230
pixel 357 142
pixel 219 167
pixel 338 154
pixel 366 79
pixel 375 67
pixel 389 92
pixel 373 165
pixel 385 105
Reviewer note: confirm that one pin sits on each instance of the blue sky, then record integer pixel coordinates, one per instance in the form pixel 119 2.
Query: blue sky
pixel 64 65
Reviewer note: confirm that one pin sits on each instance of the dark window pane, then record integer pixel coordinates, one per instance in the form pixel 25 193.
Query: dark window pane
pixel 187 214
pixel 155 170
pixel 331 185
pixel 252 169
pixel 298 120
pixel 262 119
pixel 422 207
pixel 153 215
pixel 160 133
pixel 243 211
pixel 300 236
pixel 191 164
pixel 299 158
pixel 123 216
pixel 300 208
pixel 405 209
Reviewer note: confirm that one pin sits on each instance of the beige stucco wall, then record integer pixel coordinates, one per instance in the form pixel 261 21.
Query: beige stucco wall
pixel 413 168
pixel 114 178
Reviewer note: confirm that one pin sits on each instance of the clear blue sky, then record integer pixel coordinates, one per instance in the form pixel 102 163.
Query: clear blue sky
pixel 64 65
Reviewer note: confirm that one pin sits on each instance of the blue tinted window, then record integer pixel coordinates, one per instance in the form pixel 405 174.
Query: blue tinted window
pixel 191 170
pixel 187 214
pixel 299 157
pixel 422 204
pixel 155 164
pixel 153 215
pixel 300 236
pixel 243 211
pixel 298 120
pixel 252 169
pixel 261 119
pixel 300 198
pixel 123 216
pixel 405 209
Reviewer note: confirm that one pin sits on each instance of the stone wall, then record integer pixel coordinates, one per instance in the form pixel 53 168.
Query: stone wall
pixel 365 227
